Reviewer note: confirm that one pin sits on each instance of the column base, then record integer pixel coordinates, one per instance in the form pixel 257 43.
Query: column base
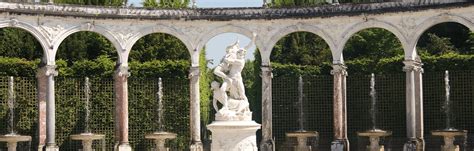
pixel 340 145
pixel 414 145
pixel 267 145
pixel 52 148
pixel 196 146
pixel 123 147
pixel 234 135
pixel 40 147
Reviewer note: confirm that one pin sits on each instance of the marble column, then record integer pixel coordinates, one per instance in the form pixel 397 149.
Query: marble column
pixel 195 115
pixel 47 74
pixel 42 88
pixel 267 143
pixel 121 108
pixel 414 105
pixel 340 143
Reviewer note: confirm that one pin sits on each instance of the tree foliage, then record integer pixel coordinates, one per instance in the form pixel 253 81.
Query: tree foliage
pixel 15 42
pixel 301 48
pixel 372 43
pixel 166 3
pixel 293 3
pixel 158 46
pixel 93 2
pixel 85 45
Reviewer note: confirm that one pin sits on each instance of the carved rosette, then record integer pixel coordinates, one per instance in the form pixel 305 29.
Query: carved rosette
pixel 51 32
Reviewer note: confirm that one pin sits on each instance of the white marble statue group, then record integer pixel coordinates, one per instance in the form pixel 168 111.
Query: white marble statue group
pixel 231 93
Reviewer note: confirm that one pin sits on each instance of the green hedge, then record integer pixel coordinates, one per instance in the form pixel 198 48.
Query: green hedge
pixel 365 66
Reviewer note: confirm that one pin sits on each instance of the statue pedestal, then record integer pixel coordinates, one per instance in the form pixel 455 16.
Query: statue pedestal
pixel 234 135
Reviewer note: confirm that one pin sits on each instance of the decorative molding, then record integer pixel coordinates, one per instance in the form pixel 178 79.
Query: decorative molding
pixel 413 65
pixel 121 71
pixel 51 32
pixel 47 70
pixel 339 69
pixel 222 13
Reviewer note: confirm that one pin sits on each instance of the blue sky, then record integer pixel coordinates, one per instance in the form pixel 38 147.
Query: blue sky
pixel 215 48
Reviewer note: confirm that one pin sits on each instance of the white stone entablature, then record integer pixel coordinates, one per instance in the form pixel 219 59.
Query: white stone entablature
pixel 123 27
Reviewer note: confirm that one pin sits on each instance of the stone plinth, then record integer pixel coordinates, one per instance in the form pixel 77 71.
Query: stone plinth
pixel 449 136
pixel 374 137
pixel 87 139
pixel 234 135
pixel 160 139
pixel 13 139
pixel 302 138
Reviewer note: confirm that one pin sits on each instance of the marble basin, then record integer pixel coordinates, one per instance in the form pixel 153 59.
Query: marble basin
pixel 449 135
pixel 375 133
pixel 160 139
pixel 87 136
pixel 161 135
pixel 302 134
pixel 13 139
pixel 448 132
pixel 374 138
pixel 87 139
pixel 302 139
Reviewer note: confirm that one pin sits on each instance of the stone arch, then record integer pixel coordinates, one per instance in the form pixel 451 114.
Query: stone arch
pixel 157 29
pixel 293 29
pixel 93 28
pixel 37 34
pixel 211 34
pixel 220 30
pixel 435 20
pixel 348 33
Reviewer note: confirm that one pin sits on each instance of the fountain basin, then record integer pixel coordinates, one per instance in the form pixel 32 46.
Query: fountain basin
pixel 87 139
pixel 374 138
pixel 161 135
pixel 302 139
pixel 449 132
pixel 375 133
pixel 160 139
pixel 13 139
pixel 449 136
pixel 302 134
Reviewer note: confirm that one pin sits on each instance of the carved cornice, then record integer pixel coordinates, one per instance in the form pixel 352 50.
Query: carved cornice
pixel 221 13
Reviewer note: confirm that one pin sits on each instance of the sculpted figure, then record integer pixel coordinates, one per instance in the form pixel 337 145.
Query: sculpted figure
pixel 231 93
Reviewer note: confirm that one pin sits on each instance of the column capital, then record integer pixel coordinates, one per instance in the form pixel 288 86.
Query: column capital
pixel 194 72
pixel 122 71
pixel 413 65
pixel 266 72
pixel 339 69
pixel 47 70
pixel 266 68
